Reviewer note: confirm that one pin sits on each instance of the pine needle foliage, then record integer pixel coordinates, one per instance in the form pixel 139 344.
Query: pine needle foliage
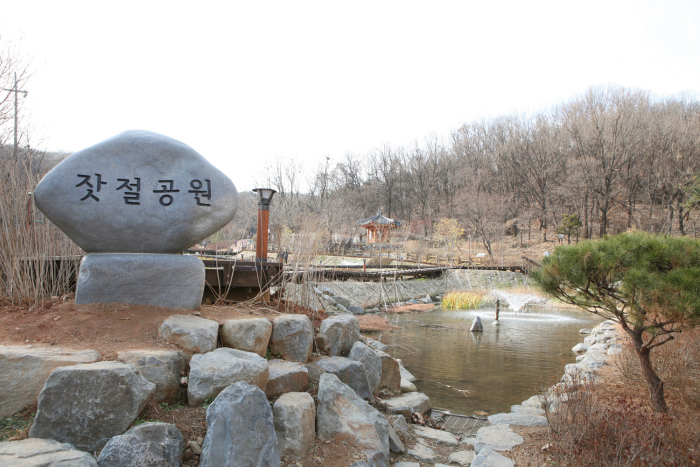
pixel 650 284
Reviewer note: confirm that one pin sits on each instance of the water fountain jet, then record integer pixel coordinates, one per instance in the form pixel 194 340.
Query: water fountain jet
pixel 515 300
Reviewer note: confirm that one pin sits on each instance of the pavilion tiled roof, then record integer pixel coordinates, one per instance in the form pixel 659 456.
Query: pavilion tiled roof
pixel 379 220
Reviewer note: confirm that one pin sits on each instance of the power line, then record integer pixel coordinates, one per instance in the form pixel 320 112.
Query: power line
pixel 16 91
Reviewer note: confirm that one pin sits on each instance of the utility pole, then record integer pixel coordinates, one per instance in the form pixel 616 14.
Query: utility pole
pixel 16 91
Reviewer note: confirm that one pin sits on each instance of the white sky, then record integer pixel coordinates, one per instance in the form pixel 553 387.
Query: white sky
pixel 247 82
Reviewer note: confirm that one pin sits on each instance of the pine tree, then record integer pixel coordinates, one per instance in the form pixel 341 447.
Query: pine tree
pixel 649 284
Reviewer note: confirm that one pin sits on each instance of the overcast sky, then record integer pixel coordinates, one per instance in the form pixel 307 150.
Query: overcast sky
pixel 247 82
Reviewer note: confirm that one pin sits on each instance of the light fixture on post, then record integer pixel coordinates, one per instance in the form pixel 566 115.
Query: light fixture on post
pixel 265 195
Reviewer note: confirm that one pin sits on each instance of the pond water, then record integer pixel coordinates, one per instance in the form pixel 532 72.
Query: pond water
pixel 500 367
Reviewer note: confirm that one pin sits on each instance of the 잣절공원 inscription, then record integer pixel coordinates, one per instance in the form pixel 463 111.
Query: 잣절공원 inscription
pixel 138 192
pixel 147 197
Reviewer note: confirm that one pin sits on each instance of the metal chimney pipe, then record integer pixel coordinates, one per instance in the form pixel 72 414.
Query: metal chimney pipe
pixel 265 195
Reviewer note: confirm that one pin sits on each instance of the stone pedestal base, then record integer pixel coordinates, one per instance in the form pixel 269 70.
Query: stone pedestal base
pixel 173 281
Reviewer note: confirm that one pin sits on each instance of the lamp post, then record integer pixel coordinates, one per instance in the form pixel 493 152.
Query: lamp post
pixel 265 195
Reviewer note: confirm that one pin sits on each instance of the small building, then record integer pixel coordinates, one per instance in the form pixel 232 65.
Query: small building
pixel 378 227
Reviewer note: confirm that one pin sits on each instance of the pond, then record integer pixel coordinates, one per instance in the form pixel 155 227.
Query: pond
pixel 500 367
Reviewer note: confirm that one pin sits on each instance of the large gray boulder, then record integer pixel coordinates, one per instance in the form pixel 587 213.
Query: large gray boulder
pixel 395 443
pixel 490 458
pixel 286 377
pixel 137 192
pixel 477 326
pixel 442 437
pixel 461 457
pixel 294 415
pixel 212 372
pixel 409 403
pixel 292 337
pixel 87 404
pixel 497 438
pixel 391 372
pixel 349 372
pixel 161 367
pixel 518 419
pixel 338 334
pixel 240 430
pixel 315 373
pixel 43 453
pixel 249 334
pixel 138 279
pixel 343 416
pixel 158 444
pixel 371 362
pixel 192 334
pixel 424 453
pixel 25 369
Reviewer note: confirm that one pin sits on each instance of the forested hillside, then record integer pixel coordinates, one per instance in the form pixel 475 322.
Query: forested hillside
pixel 612 159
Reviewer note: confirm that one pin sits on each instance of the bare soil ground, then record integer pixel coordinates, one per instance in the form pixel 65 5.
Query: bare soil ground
pixel 106 328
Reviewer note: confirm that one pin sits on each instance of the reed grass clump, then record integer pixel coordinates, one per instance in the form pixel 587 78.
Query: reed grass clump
pixel 462 300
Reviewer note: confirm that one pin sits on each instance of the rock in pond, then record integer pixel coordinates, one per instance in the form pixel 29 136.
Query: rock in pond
pixel 405 374
pixel 240 430
pixel 406 386
pixel 146 444
pixel 292 337
pixel 25 369
pixel 77 400
pixel 356 310
pixel 349 372
pixel 376 345
pixel 212 372
pixel 137 183
pixel 192 334
pixel 338 334
pixel 43 453
pixel 371 362
pixel 249 335
pixel 294 416
pixel 343 416
pixel 286 377
pixel 477 326
pixel 160 367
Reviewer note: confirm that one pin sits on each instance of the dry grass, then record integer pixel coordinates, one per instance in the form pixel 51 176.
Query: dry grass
pixel 677 363
pixel 612 424
pixel 29 243
pixel 463 300
pixel 411 308
pixel 191 421
pixel 374 323
pixel 17 426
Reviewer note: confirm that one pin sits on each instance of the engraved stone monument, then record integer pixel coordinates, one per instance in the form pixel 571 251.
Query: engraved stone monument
pixel 134 203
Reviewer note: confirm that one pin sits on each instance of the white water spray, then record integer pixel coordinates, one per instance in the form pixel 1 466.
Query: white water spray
pixel 515 300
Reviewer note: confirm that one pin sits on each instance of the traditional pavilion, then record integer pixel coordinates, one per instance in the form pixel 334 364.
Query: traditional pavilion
pixel 378 227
